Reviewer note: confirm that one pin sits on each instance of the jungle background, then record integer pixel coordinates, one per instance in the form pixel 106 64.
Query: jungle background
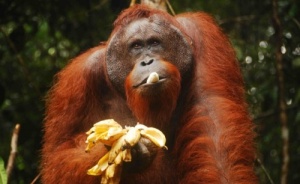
pixel 38 38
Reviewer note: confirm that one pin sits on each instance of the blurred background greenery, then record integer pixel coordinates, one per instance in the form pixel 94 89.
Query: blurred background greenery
pixel 38 38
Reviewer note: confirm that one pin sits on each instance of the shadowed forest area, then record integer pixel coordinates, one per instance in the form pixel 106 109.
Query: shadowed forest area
pixel 38 38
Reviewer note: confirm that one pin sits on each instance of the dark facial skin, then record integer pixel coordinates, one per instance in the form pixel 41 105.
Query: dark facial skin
pixel 141 47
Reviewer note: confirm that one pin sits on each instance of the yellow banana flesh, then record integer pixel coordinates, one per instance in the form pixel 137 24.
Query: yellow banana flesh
pixel 126 155
pixel 112 136
pixel 103 133
pixel 121 141
pixel 119 158
pixel 110 171
pixel 99 167
pixel 112 175
pixel 154 135
pixel 132 136
pixel 153 78
pixel 104 126
pixel 116 148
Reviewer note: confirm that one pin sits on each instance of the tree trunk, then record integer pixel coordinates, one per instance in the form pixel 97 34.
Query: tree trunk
pixel 281 92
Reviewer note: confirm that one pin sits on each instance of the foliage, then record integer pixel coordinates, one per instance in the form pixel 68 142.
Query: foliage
pixel 37 40
pixel 3 176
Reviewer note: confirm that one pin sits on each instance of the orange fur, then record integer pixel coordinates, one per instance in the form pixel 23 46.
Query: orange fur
pixel 156 107
pixel 209 132
pixel 216 134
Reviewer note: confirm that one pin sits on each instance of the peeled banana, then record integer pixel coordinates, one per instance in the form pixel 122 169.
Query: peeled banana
pixel 132 137
pixel 121 141
pixel 153 78
pixel 156 136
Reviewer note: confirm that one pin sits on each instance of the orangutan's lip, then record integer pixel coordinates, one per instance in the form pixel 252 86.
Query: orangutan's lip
pixel 152 84
pixel 144 82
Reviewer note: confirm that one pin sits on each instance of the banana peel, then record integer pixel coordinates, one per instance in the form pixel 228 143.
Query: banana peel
pixel 110 133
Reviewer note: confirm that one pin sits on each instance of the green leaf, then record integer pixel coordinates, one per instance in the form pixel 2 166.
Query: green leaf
pixel 296 62
pixel 3 175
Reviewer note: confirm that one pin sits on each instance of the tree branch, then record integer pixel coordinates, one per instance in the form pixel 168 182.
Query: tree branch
pixel 265 170
pixel 275 112
pixel 13 152
pixel 296 22
pixel 157 4
pixel 281 92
